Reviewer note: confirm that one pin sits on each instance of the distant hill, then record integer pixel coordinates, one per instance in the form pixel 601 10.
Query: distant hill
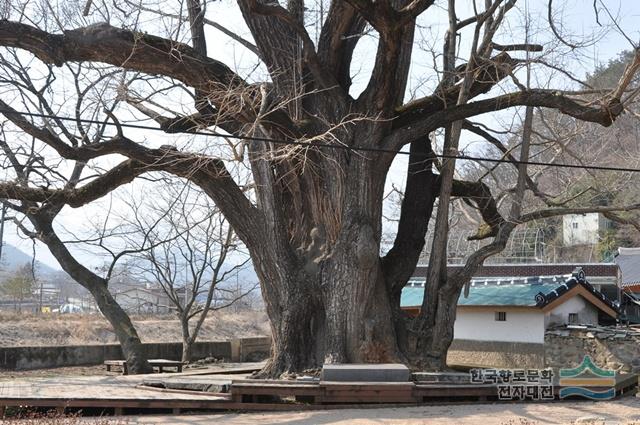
pixel 12 258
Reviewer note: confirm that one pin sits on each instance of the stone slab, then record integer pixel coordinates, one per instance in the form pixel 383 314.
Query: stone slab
pixel 441 378
pixel 210 387
pixel 385 372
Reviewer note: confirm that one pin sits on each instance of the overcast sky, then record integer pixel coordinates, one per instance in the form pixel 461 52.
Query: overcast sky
pixel 578 22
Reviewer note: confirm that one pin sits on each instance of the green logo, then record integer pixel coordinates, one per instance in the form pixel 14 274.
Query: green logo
pixel 588 380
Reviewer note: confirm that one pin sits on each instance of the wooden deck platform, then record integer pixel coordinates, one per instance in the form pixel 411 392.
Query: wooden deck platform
pixel 119 392
pixel 326 392
pixel 102 392
pixel 126 394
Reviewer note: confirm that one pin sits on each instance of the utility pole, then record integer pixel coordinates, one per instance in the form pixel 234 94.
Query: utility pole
pixel 3 213
pixel 33 274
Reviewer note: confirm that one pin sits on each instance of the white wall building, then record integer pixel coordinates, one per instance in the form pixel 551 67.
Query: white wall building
pixel 520 312
pixel 520 324
pixel 583 229
pixel 482 324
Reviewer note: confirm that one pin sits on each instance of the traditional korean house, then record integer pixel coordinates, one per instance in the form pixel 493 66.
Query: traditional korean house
pixel 511 315
pixel 628 260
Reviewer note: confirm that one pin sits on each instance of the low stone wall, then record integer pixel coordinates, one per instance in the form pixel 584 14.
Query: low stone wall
pixel 619 352
pixel 251 349
pixel 24 358
pixel 495 354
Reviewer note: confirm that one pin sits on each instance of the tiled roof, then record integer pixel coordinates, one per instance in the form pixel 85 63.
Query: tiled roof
pixel 628 259
pixel 535 269
pixel 537 292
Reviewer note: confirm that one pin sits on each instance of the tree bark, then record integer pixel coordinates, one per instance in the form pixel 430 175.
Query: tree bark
pixel 433 352
pixel 97 286
pixel 308 331
pixel 186 350
pixel 126 333
pixel 297 328
pixel 358 312
pixel 187 341
pixel 330 304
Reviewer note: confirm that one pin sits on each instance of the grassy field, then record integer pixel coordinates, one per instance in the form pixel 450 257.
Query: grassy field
pixel 76 329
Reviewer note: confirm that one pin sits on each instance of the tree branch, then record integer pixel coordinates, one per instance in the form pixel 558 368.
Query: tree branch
pixel 480 194
pixel 324 79
pixel 603 113
pixel 416 209
pixel 250 46
pixel 137 51
pixel 119 175
pixel 554 212
pixel 340 33
pixel 469 126
pixel 485 76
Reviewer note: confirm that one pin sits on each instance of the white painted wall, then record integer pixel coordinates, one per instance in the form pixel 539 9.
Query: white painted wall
pixel 582 229
pixel 587 312
pixel 520 326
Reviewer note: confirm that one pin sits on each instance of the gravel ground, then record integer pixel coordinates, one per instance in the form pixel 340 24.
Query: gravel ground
pixel 623 411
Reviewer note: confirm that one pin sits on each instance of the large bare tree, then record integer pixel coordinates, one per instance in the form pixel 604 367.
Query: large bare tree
pixel 318 153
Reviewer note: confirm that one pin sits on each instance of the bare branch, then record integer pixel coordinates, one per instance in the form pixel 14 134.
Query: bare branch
pixel 554 212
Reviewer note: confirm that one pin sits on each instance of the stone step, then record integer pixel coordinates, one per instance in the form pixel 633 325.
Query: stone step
pixel 441 377
pixel 352 372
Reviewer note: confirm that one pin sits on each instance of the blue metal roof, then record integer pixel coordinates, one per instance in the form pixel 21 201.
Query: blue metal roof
pixel 505 295
pixel 537 292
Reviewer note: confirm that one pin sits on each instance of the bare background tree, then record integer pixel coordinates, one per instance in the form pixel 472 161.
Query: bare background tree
pixel 187 249
pixel 20 286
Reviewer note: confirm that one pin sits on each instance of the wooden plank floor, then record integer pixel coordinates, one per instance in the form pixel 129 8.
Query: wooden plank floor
pixel 378 392
pixel 81 387
pixel 121 392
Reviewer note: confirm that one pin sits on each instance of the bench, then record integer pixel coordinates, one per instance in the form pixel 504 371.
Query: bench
pixel 159 364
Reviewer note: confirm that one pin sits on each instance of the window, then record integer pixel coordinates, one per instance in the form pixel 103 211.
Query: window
pixel 501 316
pixel 574 225
pixel 573 318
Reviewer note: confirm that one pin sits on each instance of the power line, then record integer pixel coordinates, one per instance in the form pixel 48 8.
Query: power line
pixel 326 145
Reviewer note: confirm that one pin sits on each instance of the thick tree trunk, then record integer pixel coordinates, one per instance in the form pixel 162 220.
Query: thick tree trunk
pixel 433 350
pixel 123 328
pixel 297 328
pixel 351 324
pixel 358 312
pixel 331 305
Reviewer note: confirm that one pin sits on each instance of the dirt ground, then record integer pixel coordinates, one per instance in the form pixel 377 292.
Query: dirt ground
pixel 6 375
pixel 625 411
pixel 74 329
pixel 96 370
